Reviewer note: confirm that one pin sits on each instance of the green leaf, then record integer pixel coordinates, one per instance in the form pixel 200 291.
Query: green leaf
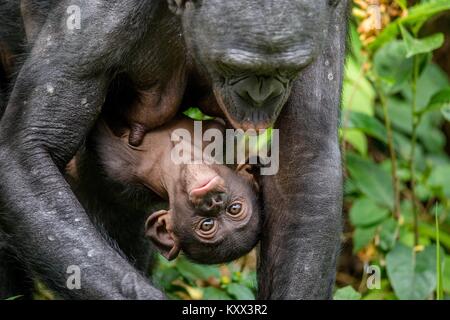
pixel 412 275
pixel 14 298
pixel 212 293
pixel 357 139
pixel 392 67
pixel 362 237
pixel 402 4
pixel 388 234
pixel 165 278
pixel 347 293
pixel 417 46
pixel 365 212
pixel 416 16
pixel 373 181
pixel 367 124
pixel 439 179
pixel 196 114
pixel 192 271
pixel 440 99
pixel 240 292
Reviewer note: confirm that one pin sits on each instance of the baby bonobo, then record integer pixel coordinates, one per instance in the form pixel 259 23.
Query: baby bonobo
pixel 213 214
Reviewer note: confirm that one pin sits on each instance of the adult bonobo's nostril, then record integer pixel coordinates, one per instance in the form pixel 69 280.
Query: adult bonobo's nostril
pixel 256 90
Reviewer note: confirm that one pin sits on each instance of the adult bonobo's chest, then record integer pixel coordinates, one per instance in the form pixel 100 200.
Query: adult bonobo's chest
pixel 246 54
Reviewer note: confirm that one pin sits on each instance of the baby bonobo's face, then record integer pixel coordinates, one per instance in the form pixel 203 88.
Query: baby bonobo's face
pixel 213 216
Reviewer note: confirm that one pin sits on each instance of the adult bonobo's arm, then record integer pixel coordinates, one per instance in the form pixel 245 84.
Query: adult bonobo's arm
pixel 57 97
pixel 303 202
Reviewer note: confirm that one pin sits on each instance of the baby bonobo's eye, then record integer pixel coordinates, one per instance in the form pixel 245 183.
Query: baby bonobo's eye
pixel 207 228
pixel 207 225
pixel 236 210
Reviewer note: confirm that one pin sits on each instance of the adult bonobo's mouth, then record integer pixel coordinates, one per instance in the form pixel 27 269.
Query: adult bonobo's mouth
pixel 253 102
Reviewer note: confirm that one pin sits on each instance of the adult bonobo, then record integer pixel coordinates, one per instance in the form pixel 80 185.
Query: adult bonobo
pixel 243 59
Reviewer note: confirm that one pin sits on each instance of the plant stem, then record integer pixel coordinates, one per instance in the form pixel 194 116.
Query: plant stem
pixel 415 123
pixel 390 140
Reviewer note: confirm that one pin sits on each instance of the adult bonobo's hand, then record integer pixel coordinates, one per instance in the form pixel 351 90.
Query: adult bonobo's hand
pixel 57 96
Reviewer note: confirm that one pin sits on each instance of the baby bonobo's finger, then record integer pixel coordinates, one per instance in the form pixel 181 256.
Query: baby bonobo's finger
pixel 137 134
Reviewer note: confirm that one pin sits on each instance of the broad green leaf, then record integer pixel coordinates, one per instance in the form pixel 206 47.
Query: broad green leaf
pixel 399 111
pixel 212 293
pixel 240 292
pixel 388 234
pixel 192 271
pixel 412 275
pixel 368 124
pixel 441 98
pixel 365 212
pixel 362 237
pixel 440 179
pixel 373 181
pixel 392 66
pixel 347 293
pixel 417 46
pixel 357 139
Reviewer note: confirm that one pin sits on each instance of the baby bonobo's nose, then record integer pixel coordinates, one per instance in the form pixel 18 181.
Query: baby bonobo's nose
pixel 215 199
pixel 210 197
pixel 212 202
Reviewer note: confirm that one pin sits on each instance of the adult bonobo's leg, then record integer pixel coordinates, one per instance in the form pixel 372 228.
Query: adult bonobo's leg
pixel 303 201
pixel 58 94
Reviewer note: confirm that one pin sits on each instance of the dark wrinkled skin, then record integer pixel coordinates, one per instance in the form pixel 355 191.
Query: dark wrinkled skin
pixel 132 45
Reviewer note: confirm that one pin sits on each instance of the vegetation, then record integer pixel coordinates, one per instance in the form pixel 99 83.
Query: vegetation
pixel 395 112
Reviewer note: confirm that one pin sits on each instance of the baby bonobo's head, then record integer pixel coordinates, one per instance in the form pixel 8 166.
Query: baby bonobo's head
pixel 213 217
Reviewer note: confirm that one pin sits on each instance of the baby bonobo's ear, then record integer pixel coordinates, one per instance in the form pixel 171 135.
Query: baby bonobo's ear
pixel 159 229
pixel 247 172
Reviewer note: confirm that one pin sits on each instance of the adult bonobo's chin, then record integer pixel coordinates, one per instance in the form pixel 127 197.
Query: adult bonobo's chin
pixel 252 50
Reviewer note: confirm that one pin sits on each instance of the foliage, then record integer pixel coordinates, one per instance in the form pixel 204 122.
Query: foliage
pixel 183 279
pixel 395 102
